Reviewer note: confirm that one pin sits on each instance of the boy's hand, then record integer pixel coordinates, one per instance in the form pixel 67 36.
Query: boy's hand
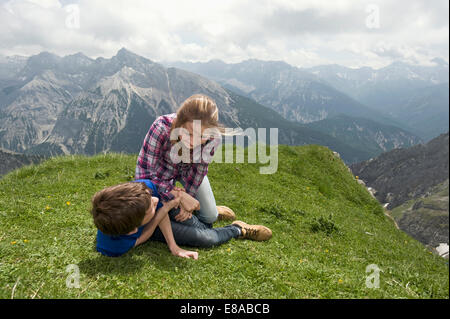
pixel 183 215
pixel 167 206
pixel 179 252
pixel 173 203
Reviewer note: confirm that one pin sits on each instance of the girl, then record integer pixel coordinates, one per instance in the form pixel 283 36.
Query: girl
pixel 156 163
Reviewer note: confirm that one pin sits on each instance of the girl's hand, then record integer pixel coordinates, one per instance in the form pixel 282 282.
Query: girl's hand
pixel 189 203
pixel 179 252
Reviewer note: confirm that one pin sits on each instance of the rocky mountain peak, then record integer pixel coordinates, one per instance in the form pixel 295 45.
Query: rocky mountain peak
pixel 43 60
pixel 126 56
pixel 77 59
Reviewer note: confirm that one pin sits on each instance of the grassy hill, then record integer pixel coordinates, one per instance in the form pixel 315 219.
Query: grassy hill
pixel 327 230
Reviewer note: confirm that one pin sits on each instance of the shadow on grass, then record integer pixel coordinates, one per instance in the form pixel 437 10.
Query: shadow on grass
pixel 151 254
pixel 100 264
pixel 123 265
pixel 156 254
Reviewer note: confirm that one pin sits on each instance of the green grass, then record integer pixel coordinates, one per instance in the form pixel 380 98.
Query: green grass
pixel 326 230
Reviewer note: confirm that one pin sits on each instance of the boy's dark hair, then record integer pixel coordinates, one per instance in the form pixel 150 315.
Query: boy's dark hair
pixel 119 209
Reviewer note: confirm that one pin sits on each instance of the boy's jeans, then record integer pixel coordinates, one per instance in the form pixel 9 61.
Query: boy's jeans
pixel 194 232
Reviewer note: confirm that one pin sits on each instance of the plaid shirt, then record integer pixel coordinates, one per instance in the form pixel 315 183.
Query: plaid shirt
pixel 154 161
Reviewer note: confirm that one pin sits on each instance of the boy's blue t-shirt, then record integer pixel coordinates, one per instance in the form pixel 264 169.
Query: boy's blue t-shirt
pixel 114 246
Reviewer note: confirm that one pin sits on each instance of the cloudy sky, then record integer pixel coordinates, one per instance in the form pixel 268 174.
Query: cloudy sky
pixel 301 32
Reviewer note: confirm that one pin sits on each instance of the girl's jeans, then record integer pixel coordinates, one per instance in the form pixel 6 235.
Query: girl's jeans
pixel 208 210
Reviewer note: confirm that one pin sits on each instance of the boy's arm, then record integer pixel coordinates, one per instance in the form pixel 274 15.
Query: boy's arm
pixel 156 220
pixel 166 228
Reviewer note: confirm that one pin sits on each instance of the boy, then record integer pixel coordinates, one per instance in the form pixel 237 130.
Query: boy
pixel 129 214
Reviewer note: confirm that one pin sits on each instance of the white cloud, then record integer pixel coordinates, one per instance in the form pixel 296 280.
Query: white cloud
pixel 302 33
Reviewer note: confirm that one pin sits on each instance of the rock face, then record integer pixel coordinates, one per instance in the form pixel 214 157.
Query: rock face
pixel 403 174
pixel 426 218
pixel 414 183
pixel 118 109
pixel 75 104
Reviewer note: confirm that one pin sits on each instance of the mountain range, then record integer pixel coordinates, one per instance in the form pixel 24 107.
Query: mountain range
pixel 412 97
pixel 296 94
pixel 415 96
pixel 362 133
pixel 74 104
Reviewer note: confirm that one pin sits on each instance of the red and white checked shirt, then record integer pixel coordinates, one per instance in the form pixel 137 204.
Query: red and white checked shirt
pixel 154 160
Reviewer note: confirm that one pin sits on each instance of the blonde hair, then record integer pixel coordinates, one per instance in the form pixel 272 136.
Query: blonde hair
pixel 198 107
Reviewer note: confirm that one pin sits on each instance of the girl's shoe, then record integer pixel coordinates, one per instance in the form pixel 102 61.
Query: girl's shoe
pixel 225 213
